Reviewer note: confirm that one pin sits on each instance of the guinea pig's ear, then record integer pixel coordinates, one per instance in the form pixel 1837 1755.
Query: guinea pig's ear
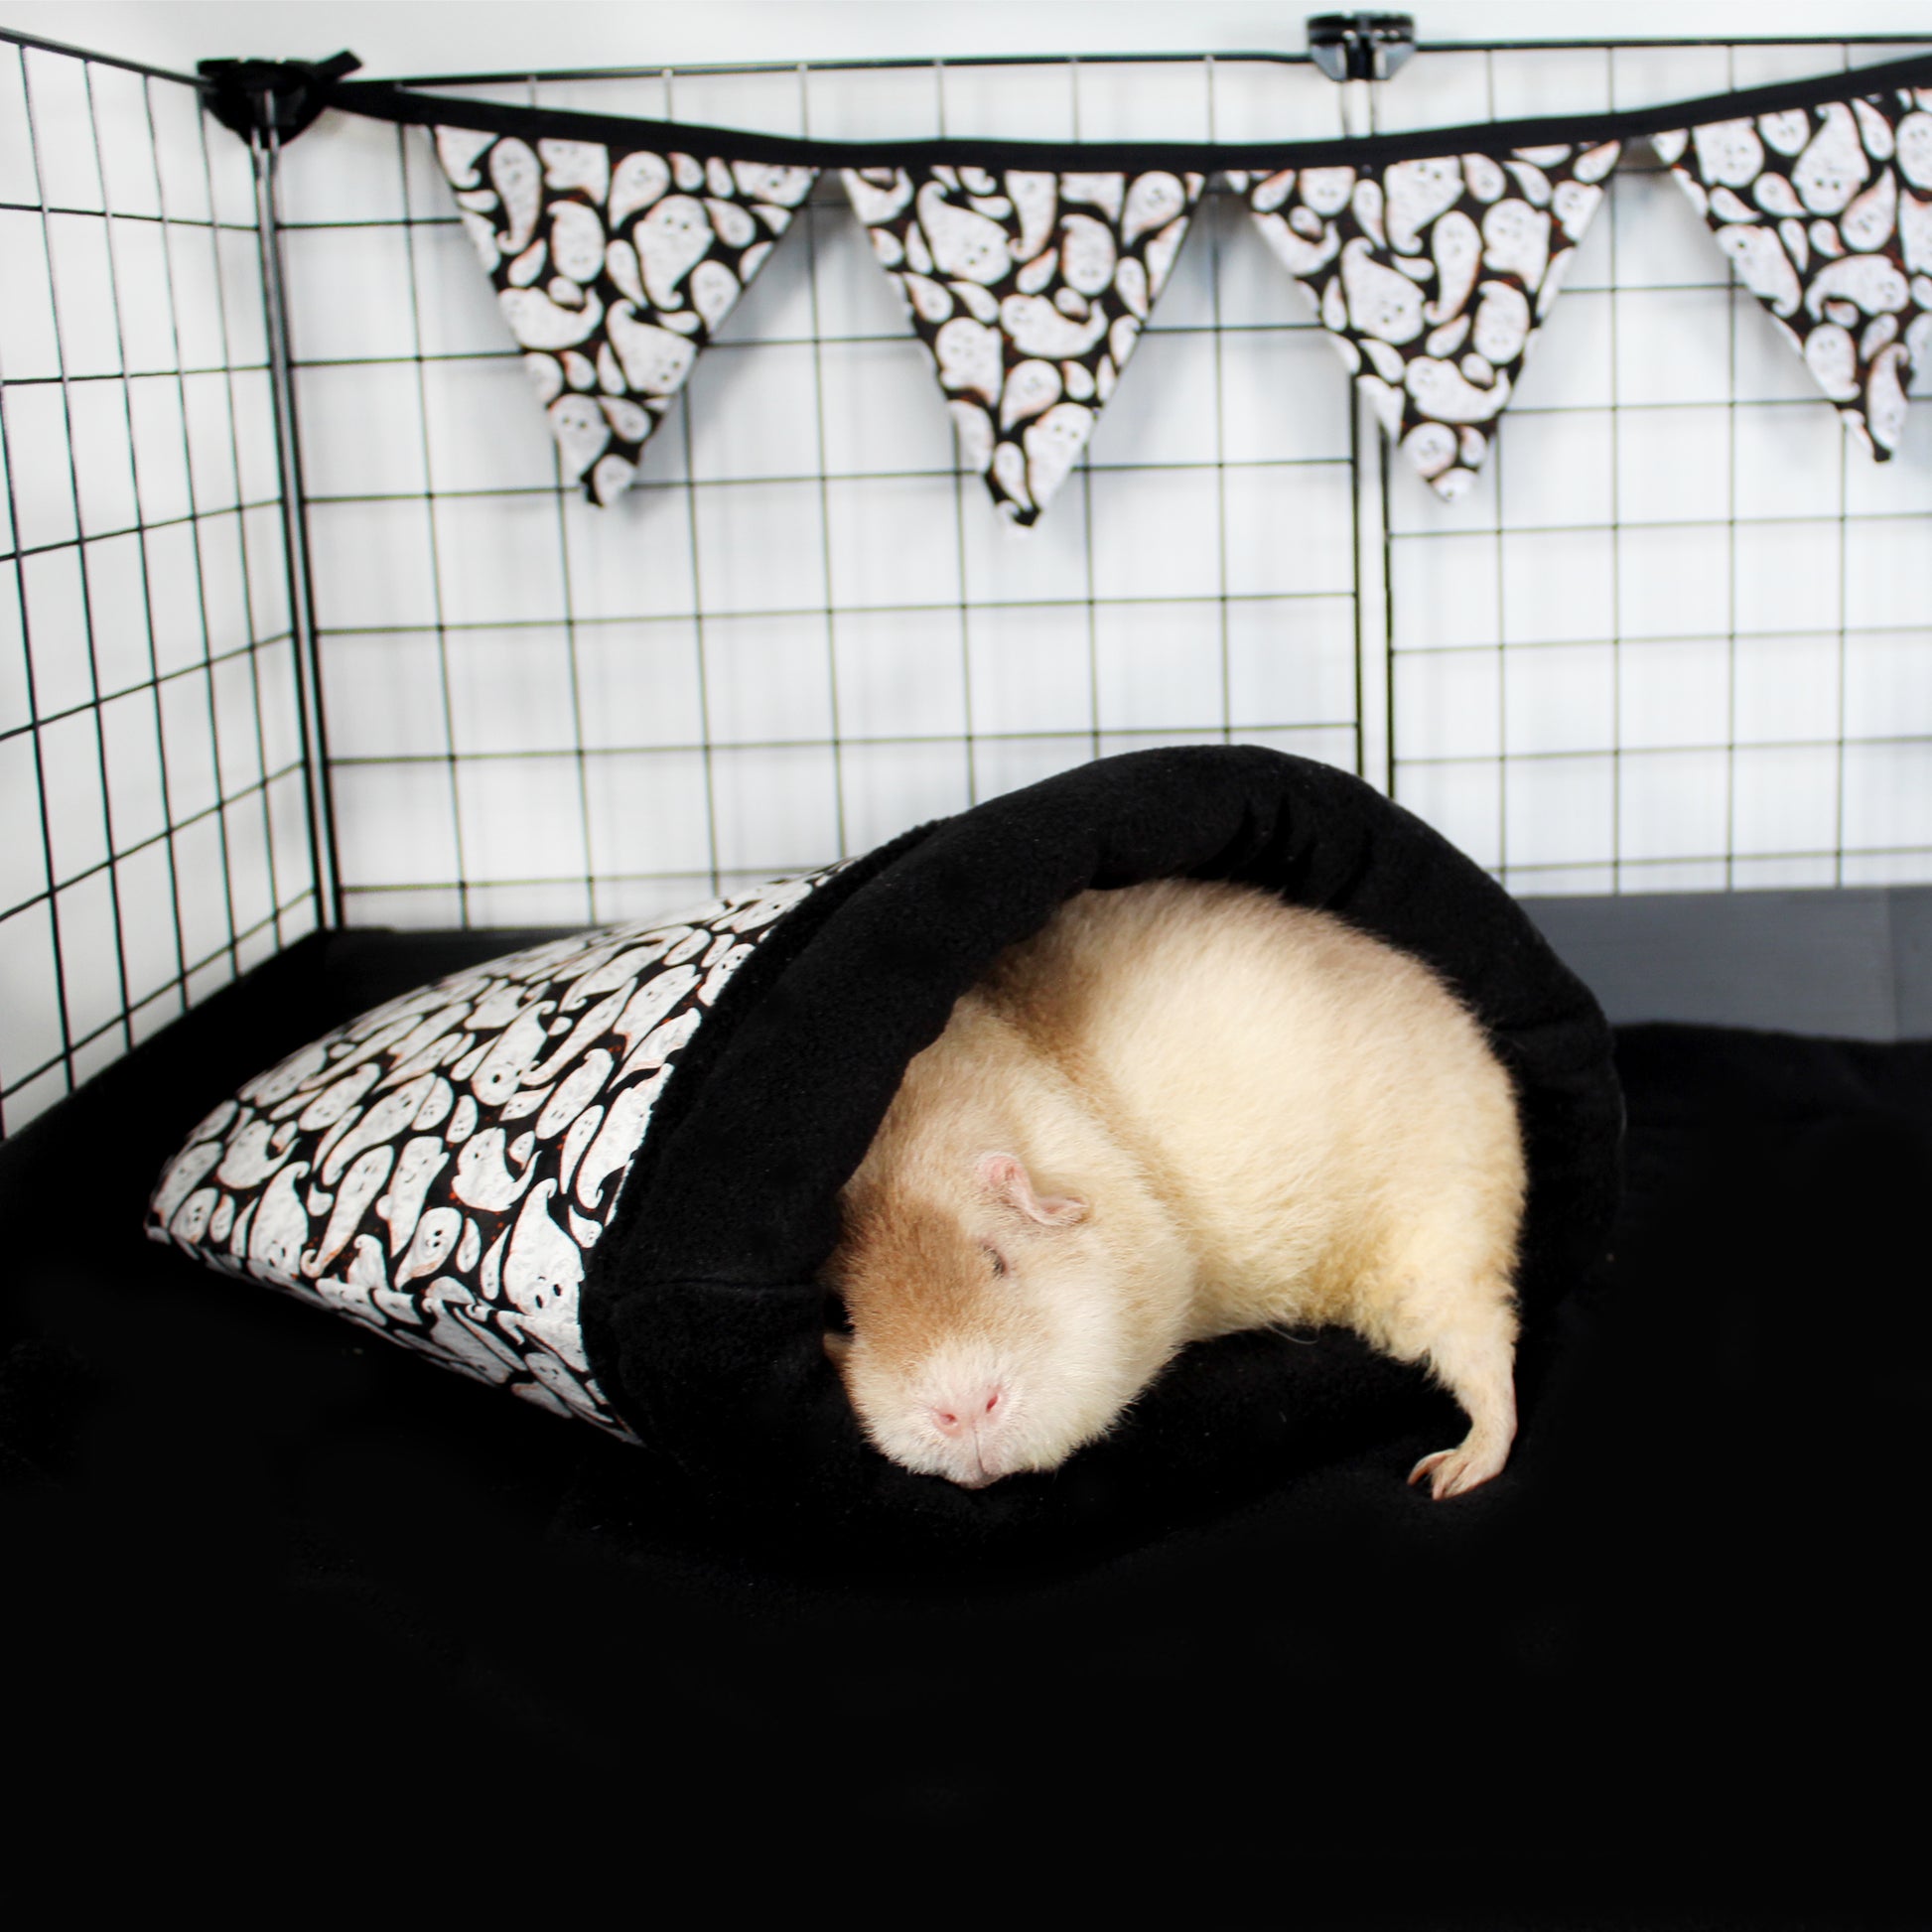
pixel 1004 1176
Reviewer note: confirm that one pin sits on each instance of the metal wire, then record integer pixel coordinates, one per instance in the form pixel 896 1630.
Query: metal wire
pixel 299 836
pixel 146 900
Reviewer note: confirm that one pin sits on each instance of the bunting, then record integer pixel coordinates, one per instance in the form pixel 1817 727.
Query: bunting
pixel 1432 275
pixel 1029 289
pixel 614 266
pixel 1028 271
pixel 1814 206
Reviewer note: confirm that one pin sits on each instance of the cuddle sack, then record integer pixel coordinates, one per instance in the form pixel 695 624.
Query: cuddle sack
pixel 603 1172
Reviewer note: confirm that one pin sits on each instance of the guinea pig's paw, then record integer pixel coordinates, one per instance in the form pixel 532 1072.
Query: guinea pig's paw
pixel 1454 1471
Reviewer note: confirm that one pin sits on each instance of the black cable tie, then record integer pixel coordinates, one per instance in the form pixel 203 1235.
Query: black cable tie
pixel 279 97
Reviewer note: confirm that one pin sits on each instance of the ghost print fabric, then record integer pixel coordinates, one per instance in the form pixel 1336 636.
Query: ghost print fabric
pixel 439 1169
pixel 1432 277
pixel 1826 213
pixel 1029 289
pixel 614 267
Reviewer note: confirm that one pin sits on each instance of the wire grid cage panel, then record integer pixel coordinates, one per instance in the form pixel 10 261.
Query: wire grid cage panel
pixel 151 775
pixel 1679 635
pixel 803 629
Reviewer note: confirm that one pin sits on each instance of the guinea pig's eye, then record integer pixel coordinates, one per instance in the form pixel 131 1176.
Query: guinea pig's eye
pixel 995 1259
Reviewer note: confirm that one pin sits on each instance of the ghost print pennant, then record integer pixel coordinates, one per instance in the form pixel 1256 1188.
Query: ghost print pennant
pixel 1029 289
pixel 1432 276
pixel 1826 214
pixel 614 266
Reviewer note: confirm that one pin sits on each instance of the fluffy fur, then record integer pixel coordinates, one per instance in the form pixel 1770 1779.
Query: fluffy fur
pixel 1182 1109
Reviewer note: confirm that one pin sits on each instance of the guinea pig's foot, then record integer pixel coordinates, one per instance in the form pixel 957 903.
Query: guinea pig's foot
pixel 1454 1471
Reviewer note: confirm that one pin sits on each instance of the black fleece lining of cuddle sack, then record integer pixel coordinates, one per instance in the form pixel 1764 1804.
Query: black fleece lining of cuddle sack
pixel 700 1315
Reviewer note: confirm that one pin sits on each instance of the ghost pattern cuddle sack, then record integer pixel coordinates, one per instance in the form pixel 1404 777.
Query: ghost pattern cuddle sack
pixel 439 1169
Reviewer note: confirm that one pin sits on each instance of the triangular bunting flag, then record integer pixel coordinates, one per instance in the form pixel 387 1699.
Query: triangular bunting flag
pixel 1029 289
pixel 614 267
pixel 1432 276
pixel 1815 207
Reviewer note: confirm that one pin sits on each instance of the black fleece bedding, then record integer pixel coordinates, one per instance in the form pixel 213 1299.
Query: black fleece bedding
pixel 286 1608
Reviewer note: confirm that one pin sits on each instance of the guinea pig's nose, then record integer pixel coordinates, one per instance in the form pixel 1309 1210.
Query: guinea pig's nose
pixel 964 1412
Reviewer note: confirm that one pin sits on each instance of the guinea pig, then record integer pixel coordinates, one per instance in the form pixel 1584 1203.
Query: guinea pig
pixel 1180 1110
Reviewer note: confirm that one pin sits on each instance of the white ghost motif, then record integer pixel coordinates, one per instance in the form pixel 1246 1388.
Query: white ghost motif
pixel 1868 221
pixel 969 357
pixel 575 240
pixel 1729 152
pixel 1485 177
pixel 1052 446
pixel 481 1178
pixel 1036 200
pixel 616 1140
pixel 636 182
pixel 670 242
pixel 1299 255
pixel 1326 191
pixel 423 1159
pixel 1458 249
pixel 929 300
pixel 1833 358
pixel 581 430
pixel 974 429
pixel 1884 390
pixel 656 361
pixel 1763 265
pixel 964 244
pixel 714 289
pixel 278 1230
pixel 1159 256
pixel 1031 387
pixel 1087 254
pixel 360 1185
pixel 1913 147
pixel 1431 447
pixel 1573 204
pixel 1773 192
pixel 584 1084
pixel 181 1179
pixel 1787 130
pixel 651 1002
pixel 1381 303
pixel 1871 281
pixel 1416 193
pixel 1442 392
pixel 770 181
pixel 437 1232
pixel 1833 166
pixel 1036 328
pixel 875 202
pixel 1502 324
pixel 538 323
pixel 577 163
pixel 516 177
pixel 542 1271
pixel 1516 240
pixel 458 149
pixel 1097 191
pixel 1152 203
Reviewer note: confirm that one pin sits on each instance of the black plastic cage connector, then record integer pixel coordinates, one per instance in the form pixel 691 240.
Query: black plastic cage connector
pixel 1361 47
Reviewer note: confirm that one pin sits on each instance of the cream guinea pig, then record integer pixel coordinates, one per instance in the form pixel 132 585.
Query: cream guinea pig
pixel 1180 1110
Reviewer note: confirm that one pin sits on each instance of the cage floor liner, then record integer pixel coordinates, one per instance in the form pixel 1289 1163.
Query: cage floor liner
pixel 1655 1674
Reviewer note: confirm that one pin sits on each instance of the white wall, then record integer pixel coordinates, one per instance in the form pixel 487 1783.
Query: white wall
pixel 398 37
